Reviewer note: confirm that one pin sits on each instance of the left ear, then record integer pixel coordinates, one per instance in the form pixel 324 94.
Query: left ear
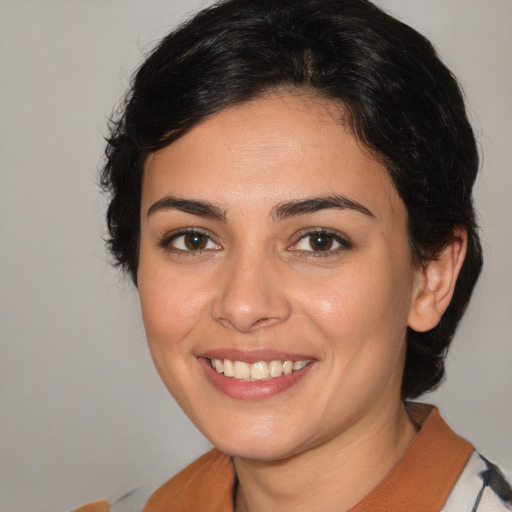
pixel 436 283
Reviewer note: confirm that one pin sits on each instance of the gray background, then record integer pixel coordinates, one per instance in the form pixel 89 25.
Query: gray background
pixel 83 414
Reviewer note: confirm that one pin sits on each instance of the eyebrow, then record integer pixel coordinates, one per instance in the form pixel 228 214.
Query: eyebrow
pixel 192 206
pixel 280 212
pixel 315 204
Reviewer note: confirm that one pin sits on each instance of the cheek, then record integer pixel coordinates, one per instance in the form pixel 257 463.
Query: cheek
pixel 170 306
pixel 358 310
pixel 347 300
pixel 170 313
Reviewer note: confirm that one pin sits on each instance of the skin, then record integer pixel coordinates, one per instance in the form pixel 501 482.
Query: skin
pixel 259 284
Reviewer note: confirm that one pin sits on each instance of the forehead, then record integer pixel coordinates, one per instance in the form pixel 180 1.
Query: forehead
pixel 271 149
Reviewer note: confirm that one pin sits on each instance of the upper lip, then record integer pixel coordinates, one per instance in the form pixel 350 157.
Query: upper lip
pixel 252 356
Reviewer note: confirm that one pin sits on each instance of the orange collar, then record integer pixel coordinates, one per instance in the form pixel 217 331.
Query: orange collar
pixel 421 481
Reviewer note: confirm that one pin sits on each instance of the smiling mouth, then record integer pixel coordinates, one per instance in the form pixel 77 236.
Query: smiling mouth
pixel 258 371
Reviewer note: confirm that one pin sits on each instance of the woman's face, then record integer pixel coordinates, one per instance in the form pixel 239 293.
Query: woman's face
pixel 270 237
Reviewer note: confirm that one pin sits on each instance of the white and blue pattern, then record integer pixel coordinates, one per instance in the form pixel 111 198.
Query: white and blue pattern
pixel 481 487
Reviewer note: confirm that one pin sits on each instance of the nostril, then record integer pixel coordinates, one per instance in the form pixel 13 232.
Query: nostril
pixel 248 298
pixel 247 326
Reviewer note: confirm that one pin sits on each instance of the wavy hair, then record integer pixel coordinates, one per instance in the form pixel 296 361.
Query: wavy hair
pixel 401 102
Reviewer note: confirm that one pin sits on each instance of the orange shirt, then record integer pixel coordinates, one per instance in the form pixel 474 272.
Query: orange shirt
pixel 421 481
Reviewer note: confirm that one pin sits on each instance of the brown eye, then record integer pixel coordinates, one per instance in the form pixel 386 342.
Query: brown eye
pixel 195 241
pixel 190 241
pixel 321 241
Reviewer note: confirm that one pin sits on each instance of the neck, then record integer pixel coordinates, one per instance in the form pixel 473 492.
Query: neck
pixel 345 469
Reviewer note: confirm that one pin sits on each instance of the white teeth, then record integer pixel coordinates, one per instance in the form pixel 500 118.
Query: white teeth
pixel 260 370
pixel 287 367
pixel 298 365
pixel 219 366
pixel 242 370
pixel 229 368
pixel 276 368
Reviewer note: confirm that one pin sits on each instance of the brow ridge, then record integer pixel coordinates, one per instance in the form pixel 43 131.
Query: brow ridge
pixel 279 212
pixel 315 204
pixel 192 206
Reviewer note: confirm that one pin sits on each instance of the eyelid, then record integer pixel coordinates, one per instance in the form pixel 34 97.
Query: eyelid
pixel 343 241
pixel 165 241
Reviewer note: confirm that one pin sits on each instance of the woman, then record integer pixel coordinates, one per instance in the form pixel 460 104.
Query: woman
pixel 291 194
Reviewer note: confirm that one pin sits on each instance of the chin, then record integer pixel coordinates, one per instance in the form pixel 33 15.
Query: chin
pixel 255 450
pixel 265 444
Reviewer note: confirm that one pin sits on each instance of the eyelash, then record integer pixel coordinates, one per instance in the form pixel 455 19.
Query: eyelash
pixel 343 243
pixel 166 242
pixel 335 238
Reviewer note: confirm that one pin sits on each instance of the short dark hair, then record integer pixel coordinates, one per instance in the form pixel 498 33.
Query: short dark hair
pixel 401 101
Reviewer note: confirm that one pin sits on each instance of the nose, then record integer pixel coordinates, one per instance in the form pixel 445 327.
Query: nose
pixel 251 294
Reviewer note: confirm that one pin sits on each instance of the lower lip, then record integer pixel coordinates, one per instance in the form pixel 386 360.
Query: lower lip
pixel 252 390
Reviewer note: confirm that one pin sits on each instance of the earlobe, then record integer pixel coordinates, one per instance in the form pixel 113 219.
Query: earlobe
pixel 436 284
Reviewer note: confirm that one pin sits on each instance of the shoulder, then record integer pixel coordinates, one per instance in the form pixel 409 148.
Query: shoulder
pixel 481 487
pixel 206 484
pixel 208 481
pixel 95 506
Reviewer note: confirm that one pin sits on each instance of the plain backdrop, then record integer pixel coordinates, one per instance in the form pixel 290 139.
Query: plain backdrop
pixel 83 413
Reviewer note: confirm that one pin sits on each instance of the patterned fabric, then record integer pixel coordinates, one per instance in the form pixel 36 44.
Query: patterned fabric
pixel 481 487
